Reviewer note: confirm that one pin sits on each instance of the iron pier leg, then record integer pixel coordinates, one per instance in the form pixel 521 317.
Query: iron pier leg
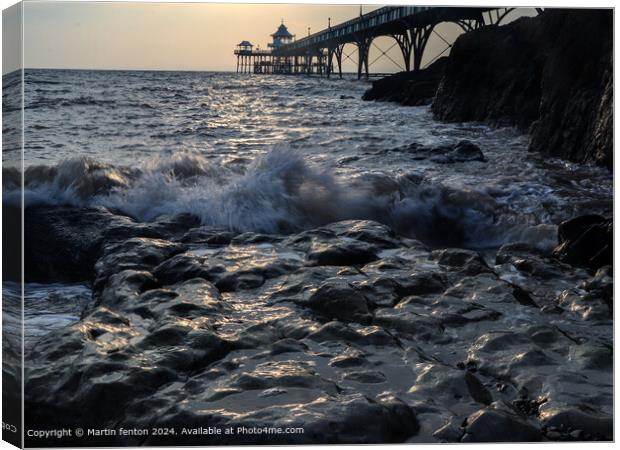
pixel 419 39
pixel 363 47
pixel 330 62
pixel 338 52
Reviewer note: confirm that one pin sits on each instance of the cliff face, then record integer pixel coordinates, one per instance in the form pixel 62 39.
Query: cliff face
pixel 551 74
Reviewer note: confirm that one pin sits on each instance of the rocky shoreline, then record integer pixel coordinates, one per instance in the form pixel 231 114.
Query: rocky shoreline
pixel 349 331
pixel 550 75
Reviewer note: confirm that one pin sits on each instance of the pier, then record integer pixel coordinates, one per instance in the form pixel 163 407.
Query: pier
pixel 322 53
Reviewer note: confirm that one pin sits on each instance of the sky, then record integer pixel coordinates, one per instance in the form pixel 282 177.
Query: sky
pixel 178 36
pixel 11 38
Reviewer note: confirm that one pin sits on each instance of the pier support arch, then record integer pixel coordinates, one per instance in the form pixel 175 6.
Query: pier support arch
pixel 406 47
pixel 497 15
pixel 468 25
pixel 336 52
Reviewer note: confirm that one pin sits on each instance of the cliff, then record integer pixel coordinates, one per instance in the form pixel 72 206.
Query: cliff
pixel 551 75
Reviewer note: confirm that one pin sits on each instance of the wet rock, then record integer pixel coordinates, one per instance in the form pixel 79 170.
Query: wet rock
pixel 208 235
pixel 588 306
pixel 242 333
pixel 255 238
pixel 460 152
pixel 338 332
pixel 65 242
pixel 450 432
pixel 174 227
pixel 181 267
pixel 379 291
pixel 366 376
pixel 401 320
pixel 408 88
pixel 348 360
pixel 530 261
pixel 122 289
pixel 601 285
pixel 421 283
pixel 231 282
pixel 466 262
pixel 135 253
pixel 586 241
pixel 467 151
pixel 287 345
pixel 339 301
pixel 463 151
pixel 343 419
pixel 477 390
pixel 495 425
pixel 600 427
pixel 287 374
pixel 352 253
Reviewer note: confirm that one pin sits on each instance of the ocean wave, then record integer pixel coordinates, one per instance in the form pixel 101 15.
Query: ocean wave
pixel 278 192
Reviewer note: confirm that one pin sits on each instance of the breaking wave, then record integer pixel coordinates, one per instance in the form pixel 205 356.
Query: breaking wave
pixel 278 192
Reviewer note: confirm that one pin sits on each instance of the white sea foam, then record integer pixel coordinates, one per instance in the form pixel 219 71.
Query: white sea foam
pixel 278 192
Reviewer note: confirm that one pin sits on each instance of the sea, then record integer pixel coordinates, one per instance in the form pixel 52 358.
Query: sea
pixel 273 154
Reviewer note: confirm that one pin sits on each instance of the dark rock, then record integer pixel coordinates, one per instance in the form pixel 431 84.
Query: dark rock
pixel 450 432
pixel 477 390
pixel 348 360
pixel 287 345
pixel 526 73
pixel 249 279
pixel 339 301
pixel 63 243
pixel 467 262
pixel 570 230
pixel 467 151
pixel 338 332
pixel 162 343
pixel 423 327
pixel 463 151
pixel 136 254
pixel 586 241
pixel 495 425
pixel 341 419
pixel 599 426
pixel 208 235
pixel 365 376
pixel 122 289
pixel 408 88
pixel 530 261
pixel 353 253
pixel 601 285
pixel 180 268
pixel 509 252
pixel 421 283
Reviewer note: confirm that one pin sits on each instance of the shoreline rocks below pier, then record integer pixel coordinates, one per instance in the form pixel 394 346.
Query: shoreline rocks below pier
pixel 409 88
pixel 400 343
